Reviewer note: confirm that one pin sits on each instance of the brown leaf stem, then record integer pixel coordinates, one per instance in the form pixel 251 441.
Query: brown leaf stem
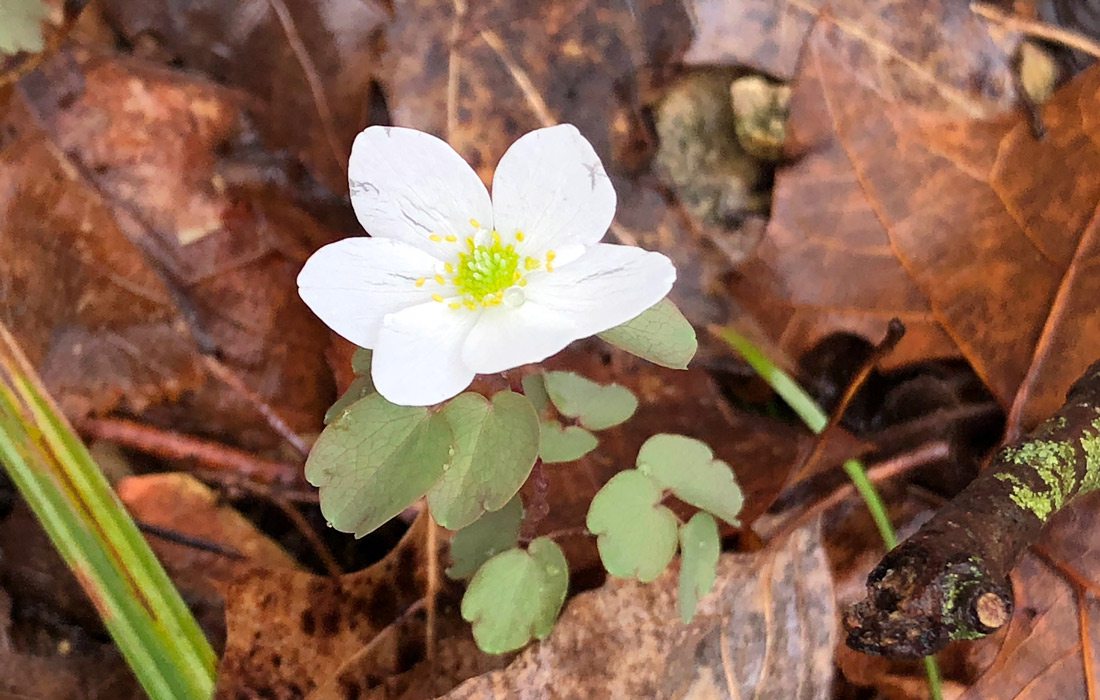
pixel 950 581
pixel 203 453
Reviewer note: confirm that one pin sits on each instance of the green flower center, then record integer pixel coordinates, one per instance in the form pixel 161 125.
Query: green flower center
pixel 483 274
pixel 483 271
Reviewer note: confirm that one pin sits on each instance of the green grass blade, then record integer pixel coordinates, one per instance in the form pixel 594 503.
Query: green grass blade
pixel 54 472
pixel 816 420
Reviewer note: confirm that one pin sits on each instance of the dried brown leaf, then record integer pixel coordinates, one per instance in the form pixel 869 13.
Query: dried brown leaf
pixel 121 244
pixel 291 632
pixel 936 54
pixel 300 62
pixel 979 237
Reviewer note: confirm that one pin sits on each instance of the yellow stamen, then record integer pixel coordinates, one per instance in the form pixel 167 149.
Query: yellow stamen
pixel 437 297
pixel 496 237
pixel 439 279
pixel 435 238
pixel 449 268
pixel 455 305
pixel 550 255
pixel 420 282
pixel 475 223
pixel 451 238
pixel 520 236
pixel 531 263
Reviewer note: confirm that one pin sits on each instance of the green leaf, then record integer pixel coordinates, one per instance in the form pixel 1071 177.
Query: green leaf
pixel 360 387
pixel 636 535
pixel 558 444
pixel 699 550
pixel 595 406
pixel 660 334
pixel 517 595
pixel 21 26
pixel 486 537
pixel 687 468
pixel 376 459
pixel 361 361
pixel 495 446
pixel 534 388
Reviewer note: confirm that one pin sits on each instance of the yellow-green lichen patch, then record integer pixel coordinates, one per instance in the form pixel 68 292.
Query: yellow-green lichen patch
pixel 1055 463
pixel 1090 443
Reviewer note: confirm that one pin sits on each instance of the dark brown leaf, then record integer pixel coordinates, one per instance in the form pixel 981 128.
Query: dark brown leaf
pixel 936 54
pixel 977 236
pixel 123 251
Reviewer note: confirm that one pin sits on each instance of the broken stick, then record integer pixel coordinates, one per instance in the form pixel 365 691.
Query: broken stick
pixel 949 581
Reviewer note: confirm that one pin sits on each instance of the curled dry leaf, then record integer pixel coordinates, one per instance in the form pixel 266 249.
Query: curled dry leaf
pixel 767 630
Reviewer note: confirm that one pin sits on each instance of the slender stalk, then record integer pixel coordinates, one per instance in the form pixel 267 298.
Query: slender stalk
pixel 816 420
pixel 94 534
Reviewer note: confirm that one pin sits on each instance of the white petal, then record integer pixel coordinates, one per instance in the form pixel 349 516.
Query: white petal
pixel 509 337
pixel 608 285
pixel 409 185
pixel 551 185
pixel 352 284
pixel 418 359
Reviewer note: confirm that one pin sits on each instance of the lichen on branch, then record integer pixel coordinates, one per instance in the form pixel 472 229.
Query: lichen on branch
pixel 949 581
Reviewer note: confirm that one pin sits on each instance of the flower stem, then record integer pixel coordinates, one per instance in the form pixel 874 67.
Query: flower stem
pixel 816 420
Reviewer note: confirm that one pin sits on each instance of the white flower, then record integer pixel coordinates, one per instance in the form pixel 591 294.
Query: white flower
pixel 451 284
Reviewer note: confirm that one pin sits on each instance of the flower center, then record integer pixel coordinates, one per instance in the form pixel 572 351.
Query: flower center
pixel 485 270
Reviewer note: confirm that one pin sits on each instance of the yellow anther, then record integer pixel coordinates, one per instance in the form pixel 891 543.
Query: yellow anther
pixel 420 282
pixel 475 223
pixel 522 283
pixel 439 279
pixel 470 243
pixel 531 263
pixel 435 238
pixel 496 237
pixel 550 255
pixel 520 236
pixel 437 297
pixel 455 305
pixel 449 268
pixel 451 238
pixel 469 303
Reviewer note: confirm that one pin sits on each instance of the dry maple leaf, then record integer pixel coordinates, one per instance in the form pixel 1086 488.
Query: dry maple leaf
pixel 980 238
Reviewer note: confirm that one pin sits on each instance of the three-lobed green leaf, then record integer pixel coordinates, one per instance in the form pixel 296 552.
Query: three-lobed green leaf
pixel 516 596
pixel 660 335
pixel 495 447
pixel 489 535
pixel 21 26
pixel 687 467
pixel 636 535
pixel 558 444
pixel 595 406
pixel 699 551
pixel 376 459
